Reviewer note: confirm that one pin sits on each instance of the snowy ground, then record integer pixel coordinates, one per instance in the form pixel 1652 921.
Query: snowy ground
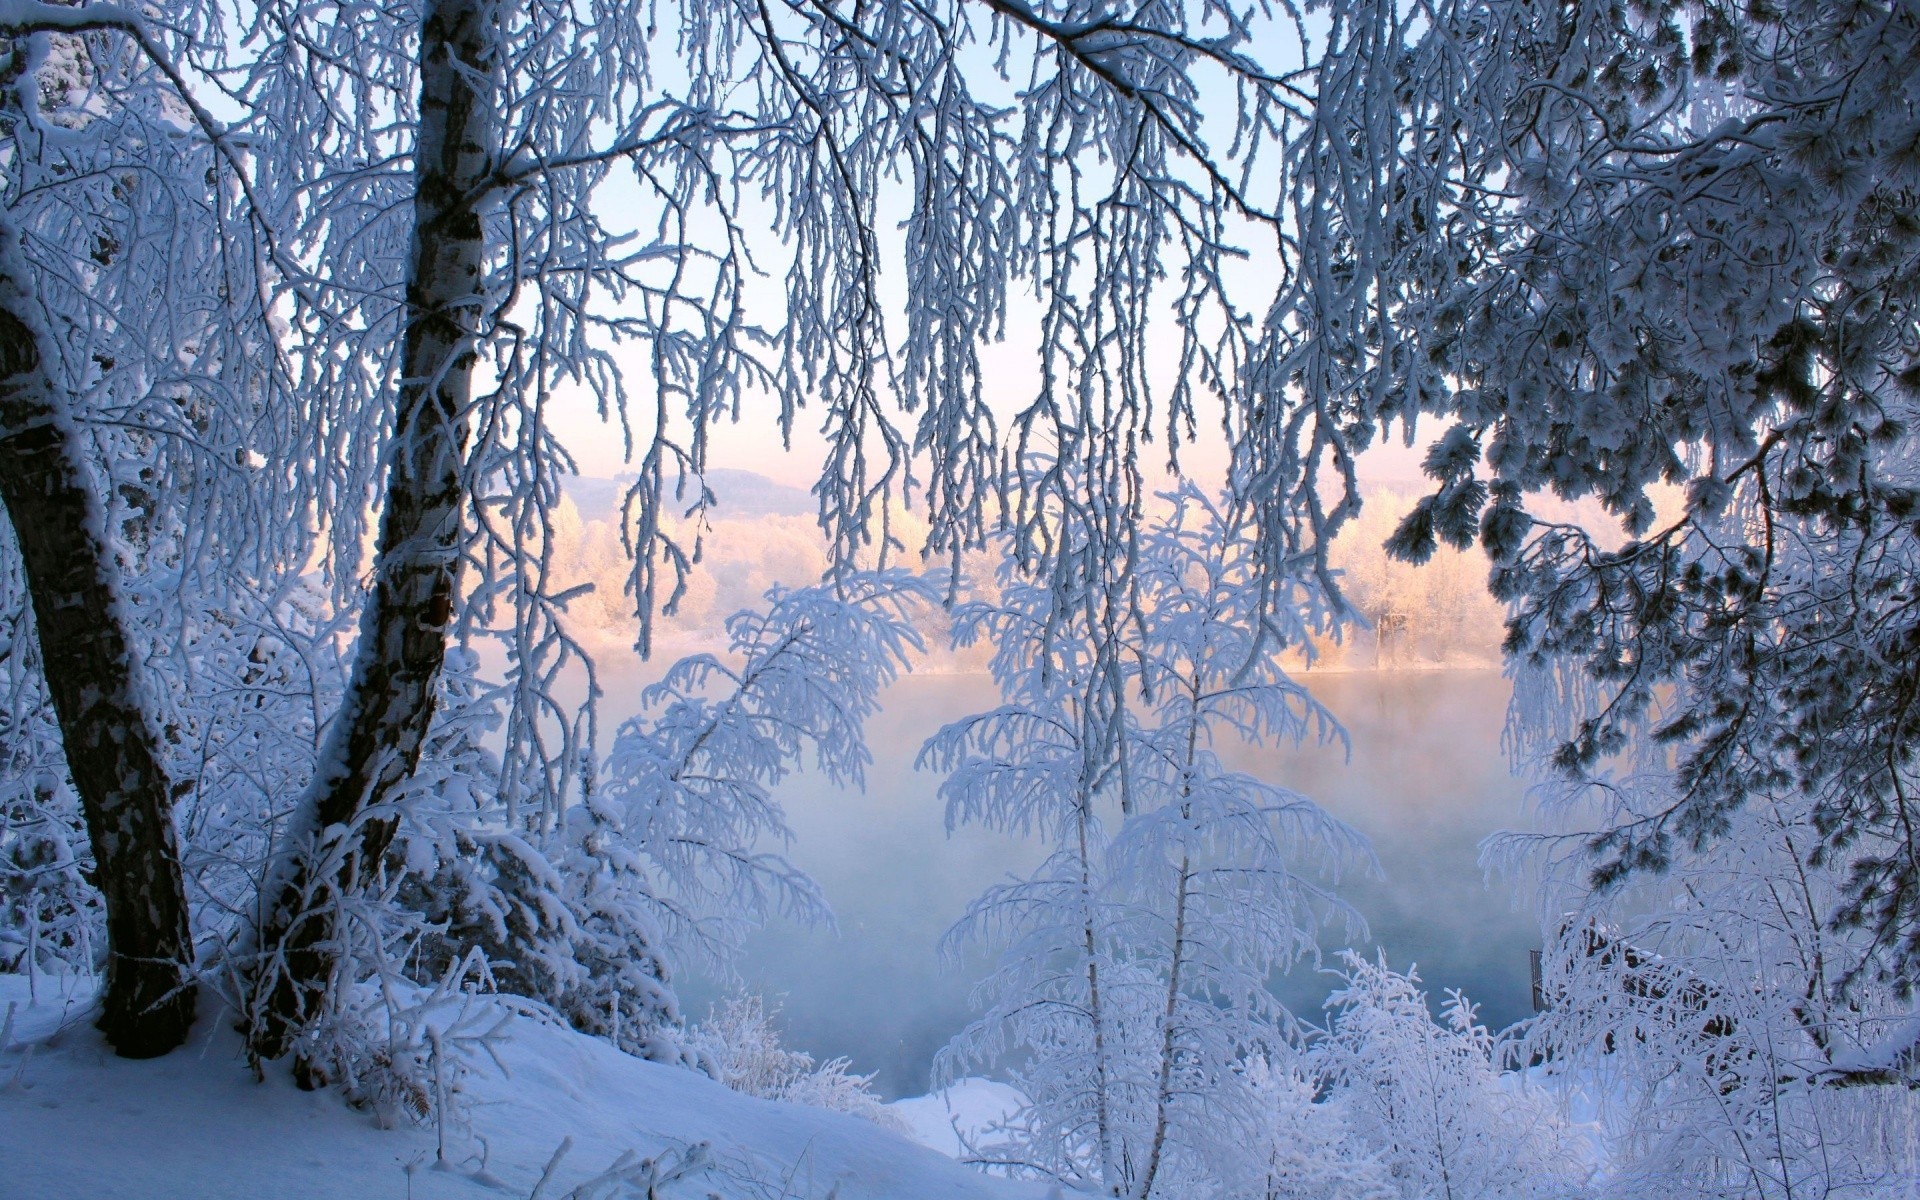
pixel 77 1122
pixel 969 1108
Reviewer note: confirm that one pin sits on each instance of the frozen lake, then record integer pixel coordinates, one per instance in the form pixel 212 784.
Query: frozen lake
pixel 1426 782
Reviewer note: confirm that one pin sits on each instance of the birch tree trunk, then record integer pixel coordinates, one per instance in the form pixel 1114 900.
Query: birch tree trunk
pixel 374 742
pixel 112 751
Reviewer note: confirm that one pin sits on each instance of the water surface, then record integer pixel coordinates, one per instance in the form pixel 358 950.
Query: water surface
pixel 1426 782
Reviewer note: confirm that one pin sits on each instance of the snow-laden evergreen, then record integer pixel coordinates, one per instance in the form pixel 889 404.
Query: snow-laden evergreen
pixel 1661 256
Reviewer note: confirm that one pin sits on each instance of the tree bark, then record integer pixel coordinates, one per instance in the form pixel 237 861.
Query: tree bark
pixel 113 753
pixel 373 745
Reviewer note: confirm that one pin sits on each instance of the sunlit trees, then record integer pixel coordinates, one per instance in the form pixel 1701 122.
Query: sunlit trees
pixel 1435 612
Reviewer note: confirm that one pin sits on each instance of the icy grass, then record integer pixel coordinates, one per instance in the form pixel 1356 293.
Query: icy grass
pixel 77 1121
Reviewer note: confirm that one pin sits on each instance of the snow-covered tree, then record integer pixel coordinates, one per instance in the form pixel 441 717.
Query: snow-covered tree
pixel 1620 246
pixel 407 211
pixel 1620 249
pixel 425 183
pixel 136 394
pixel 1615 246
pixel 1132 989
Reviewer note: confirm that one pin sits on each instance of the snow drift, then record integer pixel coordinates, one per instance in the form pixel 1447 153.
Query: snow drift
pixel 77 1121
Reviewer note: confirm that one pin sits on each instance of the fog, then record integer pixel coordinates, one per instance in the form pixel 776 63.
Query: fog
pixel 1426 782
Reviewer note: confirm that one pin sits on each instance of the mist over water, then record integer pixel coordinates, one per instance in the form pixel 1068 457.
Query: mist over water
pixel 1425 783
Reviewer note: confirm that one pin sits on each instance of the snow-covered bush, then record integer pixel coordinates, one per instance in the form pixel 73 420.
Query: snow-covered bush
pixel 246 677
pixel 1429 1098
pixel 1308 1149
pixel 50 915
pixel 739 1044
pixel 592 906
pixel 1741 1043
pixel 50 918
pixel 400 1050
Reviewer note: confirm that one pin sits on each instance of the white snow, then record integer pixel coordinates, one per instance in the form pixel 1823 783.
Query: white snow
pixel 968 1108
pixel 76 1121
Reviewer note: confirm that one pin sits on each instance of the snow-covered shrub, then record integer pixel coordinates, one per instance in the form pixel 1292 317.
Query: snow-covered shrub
pixel 50 916
pixel 1307 1150
pixel 1429 1099
pixel 591 906
pixel 739 1044
pixel 243 677
pixel 402 1050
pixel 1740 1041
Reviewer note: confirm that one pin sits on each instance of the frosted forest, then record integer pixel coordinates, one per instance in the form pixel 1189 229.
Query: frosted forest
pixel 466 463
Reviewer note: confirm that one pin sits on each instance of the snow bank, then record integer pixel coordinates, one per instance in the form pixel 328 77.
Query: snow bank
pixel 76 1121
pixel 969 1108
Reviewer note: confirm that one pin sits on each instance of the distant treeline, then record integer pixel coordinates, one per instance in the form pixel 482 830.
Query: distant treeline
pixel 1436 614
